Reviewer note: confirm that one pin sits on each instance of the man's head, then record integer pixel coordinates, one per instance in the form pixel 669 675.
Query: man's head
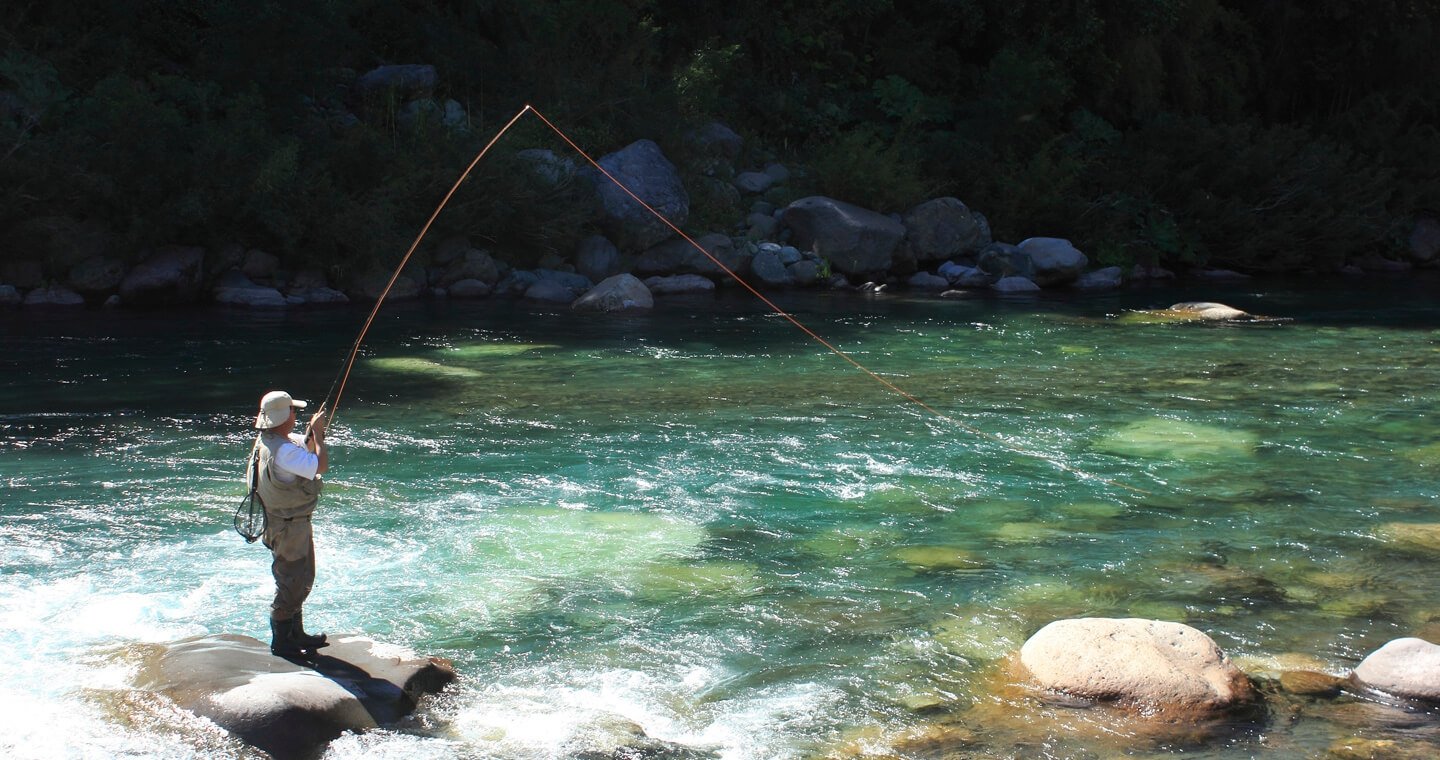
pixel 276 409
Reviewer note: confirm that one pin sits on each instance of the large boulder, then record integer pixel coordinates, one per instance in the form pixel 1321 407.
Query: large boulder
pixel 769 270
pixel 680 284
pixel 941 229
pixel 1004 260
pixel 10 297
pixel 97 276
pixel 598 258
pixel 622 292
pixel 856 241
pixel 236 289
pixel 171 276
pixel 716 139
pixel 643 169
pixel 409 80
pixel 1056 262
pixel 472 264
pixel 54 295
pixel 1408 668
pixel 678 256
pixel 293 708
pixel 1154 668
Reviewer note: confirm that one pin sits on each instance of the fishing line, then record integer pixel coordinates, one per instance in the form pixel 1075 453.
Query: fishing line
pixel 1015 448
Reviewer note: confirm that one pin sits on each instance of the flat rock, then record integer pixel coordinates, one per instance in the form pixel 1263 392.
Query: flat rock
pixel 1156 668
pixel 1408 668
pixel 293 708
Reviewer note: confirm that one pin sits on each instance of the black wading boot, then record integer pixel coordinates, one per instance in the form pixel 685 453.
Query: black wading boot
pixel 282 639
pixel 303 639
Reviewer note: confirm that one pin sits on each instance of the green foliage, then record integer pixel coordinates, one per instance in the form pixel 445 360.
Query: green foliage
pixel 860 168
pixel 1263 136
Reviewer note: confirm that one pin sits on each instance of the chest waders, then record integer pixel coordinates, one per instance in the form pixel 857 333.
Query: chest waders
pixel 288 536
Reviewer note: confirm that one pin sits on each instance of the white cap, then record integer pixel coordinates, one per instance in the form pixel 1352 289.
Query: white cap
pixel 275 409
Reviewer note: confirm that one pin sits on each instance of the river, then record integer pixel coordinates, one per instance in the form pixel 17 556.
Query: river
pixel 697 522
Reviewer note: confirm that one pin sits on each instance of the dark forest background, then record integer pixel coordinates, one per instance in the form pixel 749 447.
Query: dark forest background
pixel 1253 134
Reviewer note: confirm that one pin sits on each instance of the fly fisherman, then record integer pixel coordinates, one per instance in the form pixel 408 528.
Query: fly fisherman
pixel 289 488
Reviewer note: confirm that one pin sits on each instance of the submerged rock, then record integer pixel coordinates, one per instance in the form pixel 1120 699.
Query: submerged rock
pixel 1162 438
pixel 1155 668
pixel 292 709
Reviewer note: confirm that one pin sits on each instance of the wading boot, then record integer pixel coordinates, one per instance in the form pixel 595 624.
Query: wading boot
pixel 303 639
pixel 282 639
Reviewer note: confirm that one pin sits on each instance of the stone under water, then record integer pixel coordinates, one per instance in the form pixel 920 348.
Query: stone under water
pixel 1163 438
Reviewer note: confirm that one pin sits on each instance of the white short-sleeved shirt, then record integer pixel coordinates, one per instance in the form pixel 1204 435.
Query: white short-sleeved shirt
pixel 292 461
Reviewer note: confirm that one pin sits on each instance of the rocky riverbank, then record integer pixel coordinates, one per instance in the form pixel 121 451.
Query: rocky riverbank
pixel 938 246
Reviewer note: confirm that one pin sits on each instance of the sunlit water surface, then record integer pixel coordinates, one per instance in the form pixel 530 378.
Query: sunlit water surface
pixel 699 523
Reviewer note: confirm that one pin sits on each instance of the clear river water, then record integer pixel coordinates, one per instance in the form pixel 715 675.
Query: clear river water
pixel 697 524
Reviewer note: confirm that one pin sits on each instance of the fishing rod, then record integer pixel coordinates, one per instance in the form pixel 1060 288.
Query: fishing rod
pixel 344 374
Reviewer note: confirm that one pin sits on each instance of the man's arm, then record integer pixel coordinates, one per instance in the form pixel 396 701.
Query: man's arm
pixel 315 441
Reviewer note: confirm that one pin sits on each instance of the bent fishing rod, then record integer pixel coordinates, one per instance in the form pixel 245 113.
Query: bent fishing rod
pixel 337 388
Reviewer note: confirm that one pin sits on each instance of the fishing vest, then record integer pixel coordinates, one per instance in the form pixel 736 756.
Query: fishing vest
pixel 284 500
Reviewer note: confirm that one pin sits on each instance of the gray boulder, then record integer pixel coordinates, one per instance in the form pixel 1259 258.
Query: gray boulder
pixel 55 295
pixel 804 272
pixel 644 170
pixel 544 164
pixel 473 264
pixel 961 276
pixel 235 289
pixel 571 281
pixel 680 284
pixel 1015 284
pixel 678 256
pixel 623 292
pixel 769 270
pixel 1160 670
pixel 516 282
pixel 1108 278
pixel 469 289
pixel 96 276
pixel 753 182
pixel 409 80
pixel 1056 262
pixel 170 276
pixel 778 173
pixel 716 139
pixel 549 291
pixel 1408 668
pixel 943 228
pixel 927 281
pixel 761 226
pixel 598 258
pixel 1004 260
pixel 10 297
pixel 854 240
pixel 292 709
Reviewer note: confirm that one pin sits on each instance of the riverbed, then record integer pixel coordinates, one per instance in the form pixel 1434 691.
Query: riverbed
pixel 697 525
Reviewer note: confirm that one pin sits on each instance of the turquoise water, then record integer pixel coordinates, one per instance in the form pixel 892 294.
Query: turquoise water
pixel 698 523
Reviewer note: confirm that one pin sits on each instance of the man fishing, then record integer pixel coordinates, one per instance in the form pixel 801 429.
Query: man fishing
pixel 289 488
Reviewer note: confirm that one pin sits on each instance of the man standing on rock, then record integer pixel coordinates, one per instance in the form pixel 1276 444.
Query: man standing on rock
pixel 289 488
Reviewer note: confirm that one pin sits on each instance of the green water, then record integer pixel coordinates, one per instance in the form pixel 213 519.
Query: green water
pixel 698 522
